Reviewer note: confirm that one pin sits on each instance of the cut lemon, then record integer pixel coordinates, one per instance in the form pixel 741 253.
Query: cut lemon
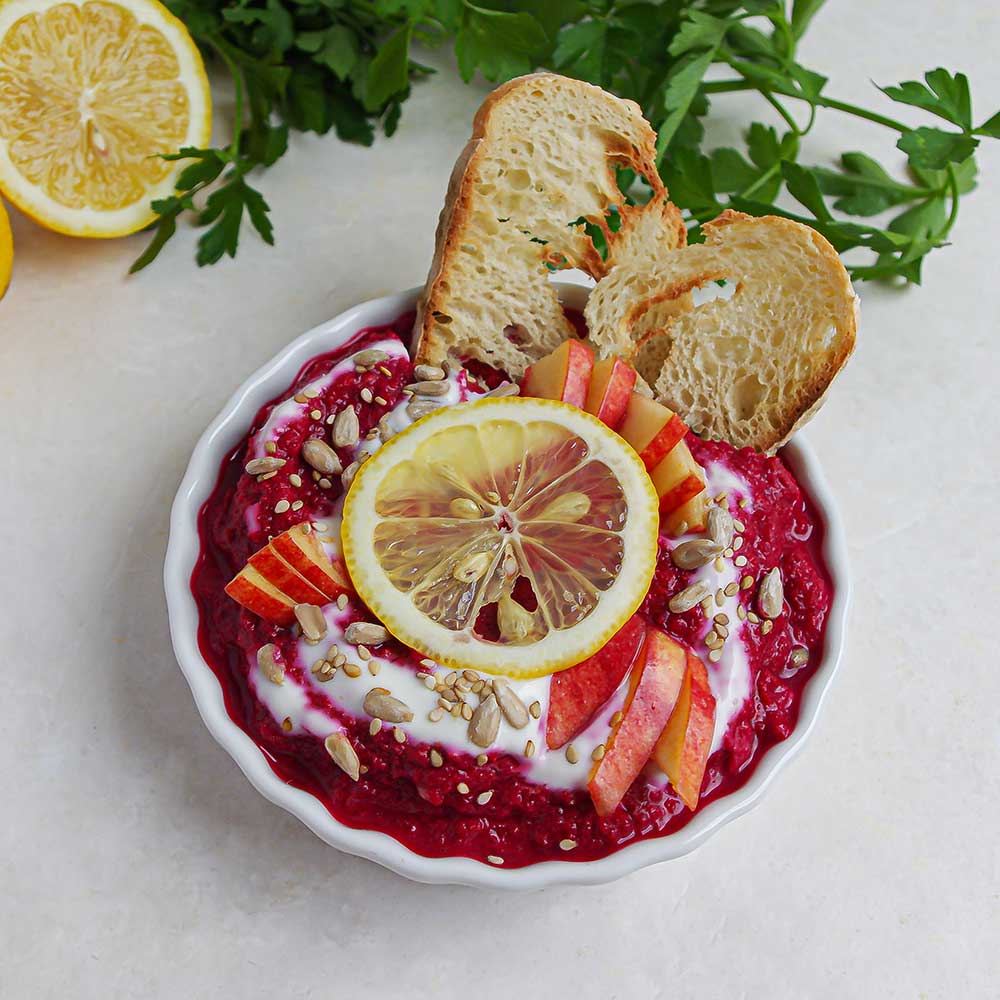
pixel 6 251
pixel 90 93
pixel 513 536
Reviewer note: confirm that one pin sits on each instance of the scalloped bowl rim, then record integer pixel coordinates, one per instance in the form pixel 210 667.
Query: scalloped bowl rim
pixel 183 548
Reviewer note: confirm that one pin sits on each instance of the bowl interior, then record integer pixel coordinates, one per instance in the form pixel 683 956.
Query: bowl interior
pixel 227 430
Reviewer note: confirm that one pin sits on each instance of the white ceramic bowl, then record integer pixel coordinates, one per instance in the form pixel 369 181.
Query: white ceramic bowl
pixel 228 429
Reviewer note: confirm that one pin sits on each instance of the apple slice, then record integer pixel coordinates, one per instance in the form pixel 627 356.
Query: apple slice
pixel 683 747
pixel 576 694
pixel 688 517
pixel 651 429
pixel 280 575
pixel 656 682
pixel 611 384
pixel 259 595
pixel 302 550
pixel 564 374
pixel 678 478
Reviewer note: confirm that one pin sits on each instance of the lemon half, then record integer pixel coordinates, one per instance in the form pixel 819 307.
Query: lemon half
pixel 90 93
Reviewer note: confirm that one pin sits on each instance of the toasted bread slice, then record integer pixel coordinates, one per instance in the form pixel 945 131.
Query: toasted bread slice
pixel 749 367
pixel 542 155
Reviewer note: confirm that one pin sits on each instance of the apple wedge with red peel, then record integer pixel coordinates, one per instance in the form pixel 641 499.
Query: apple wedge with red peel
pixel 678 479
pixel 651 429
pixel 301 549
pixel 564 374
pixel 576 694
pixel 259 595
pixel 283 577
pixel 684 745
pixel 655 684
pixel 611 384
pixel 690 516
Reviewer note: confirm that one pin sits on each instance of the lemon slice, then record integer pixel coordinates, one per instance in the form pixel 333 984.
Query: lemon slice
pixel 90 93
pixel 6 251
pixel 513 536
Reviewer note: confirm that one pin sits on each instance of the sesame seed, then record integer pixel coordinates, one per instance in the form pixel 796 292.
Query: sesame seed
pixel 739 526
pixel 715 655
pixel 295 479
pixel 723 631
pixel 712 640
pixel 315 414
pixel 429 682
pixel 352 670
pixel 427 663
pixel 721 619
pixel 599 751
pixel 342 601
pixel 719 564
pixel 753 618
pixel 299 397
pixel 281 506
pixel 366 395
pixel 572 754
pixel 743 504
pixel 737 543
pixel 741 612
pixel 398 735
pixel 387 372
pixel 286 724
pixel 374 667
pixel 462 788
pixel 324 483
pixel 747 582
pixel 740 561
pixel 270 447
pixel 297 505
pixel 266 476
pixel 720 597
pixel 567 844
pixel 330 419
pixel 731 589
pixel 483 797
pixel 435 714
pixel 766 627
pixel 310 392
pixel 493 859
pixel 451 678
pixel 535 709
pixel 482 759
pixel 529 748
pixel 364 652
pixel 616 718
pixel 728 554
pixel 375 726
pixel 381 401
pixel 467 712
pixel 436 759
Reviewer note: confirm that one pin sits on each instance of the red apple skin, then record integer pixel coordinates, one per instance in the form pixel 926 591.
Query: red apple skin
pixel 651 429
pixel 611 384
pixel 688 517
pixel 683 748
pixel 564 374
pixel 301 549
pixel 680 494
pixel 276 571
pixel 576 694
pixel 656 682
pixel 256 594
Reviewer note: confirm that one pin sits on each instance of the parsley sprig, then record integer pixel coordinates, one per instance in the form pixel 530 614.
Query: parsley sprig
pixel 348 65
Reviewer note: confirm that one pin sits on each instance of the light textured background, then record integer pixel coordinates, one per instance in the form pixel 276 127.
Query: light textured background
pixel 136 861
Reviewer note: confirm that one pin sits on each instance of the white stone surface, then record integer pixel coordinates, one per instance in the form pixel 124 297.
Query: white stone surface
pixel 138 862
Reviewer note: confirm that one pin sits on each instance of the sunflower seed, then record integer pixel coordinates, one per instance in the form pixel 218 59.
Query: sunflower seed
pixel 473 567
pixel 485 723
pixel 720 526
pixel 311 621
pixel 371 356
pixel 771 594
pixel 421 407
pixel 428 387
pixel 321 457
pixel 261 466
pixel 348 475
pixel 338 746
pixel 507 389
pixel 367 633
pixel 510 704
pixel 385 429
pixel 346 429
pixel 695 554
pixel 686 599
pixel 269 666
pixel 428 373
pixel 379 703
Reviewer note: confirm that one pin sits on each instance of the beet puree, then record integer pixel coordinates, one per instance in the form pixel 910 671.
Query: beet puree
pixel 523 822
